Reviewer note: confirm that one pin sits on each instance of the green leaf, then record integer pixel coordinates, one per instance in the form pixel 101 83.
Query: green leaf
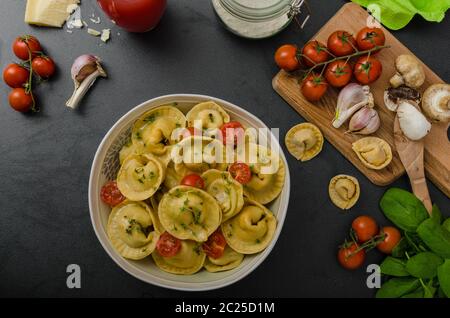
pixel 446 224
pixel 436 214
pixel 435 237
pixel 394 267
pixel 424 265
pixel 397 287
pixel 429 290
pixel 418 293
pixel 443 273
pixel 400 249
pixel 403 209
pixel 396 14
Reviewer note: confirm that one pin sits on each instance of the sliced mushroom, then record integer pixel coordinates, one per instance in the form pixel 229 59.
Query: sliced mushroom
pixel 394 95
pixel 409 72
pixel 436 102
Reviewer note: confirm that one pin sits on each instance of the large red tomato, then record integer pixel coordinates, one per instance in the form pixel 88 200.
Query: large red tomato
pixel 136 15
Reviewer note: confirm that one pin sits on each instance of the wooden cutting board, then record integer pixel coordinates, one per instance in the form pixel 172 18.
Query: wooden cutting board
pixel 351 17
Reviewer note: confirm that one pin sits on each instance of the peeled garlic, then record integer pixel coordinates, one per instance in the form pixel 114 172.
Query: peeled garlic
pixel 413 123
pixel 365 121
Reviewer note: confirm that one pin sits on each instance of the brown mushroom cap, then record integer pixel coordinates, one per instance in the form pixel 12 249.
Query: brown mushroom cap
pixel 436 102
pixel 409 72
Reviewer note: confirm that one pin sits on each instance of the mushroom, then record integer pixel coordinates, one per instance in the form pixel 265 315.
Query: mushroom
pixel 436 102
pixel 409 72
pixel 393 96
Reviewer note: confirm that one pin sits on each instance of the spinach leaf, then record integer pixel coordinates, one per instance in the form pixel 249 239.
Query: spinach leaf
pixel 394 267
pixel 403 209
pixel 436 214
pixel 435 237
pixel 418 293
pixel 429 290
pixel 397 287
pixel 424 265
pixel 401 248
pixel 446 224
pixel 443 273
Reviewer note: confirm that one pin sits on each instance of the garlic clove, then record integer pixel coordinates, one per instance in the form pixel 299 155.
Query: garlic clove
pixel 366 121
pixel 351 98
pixel 413 123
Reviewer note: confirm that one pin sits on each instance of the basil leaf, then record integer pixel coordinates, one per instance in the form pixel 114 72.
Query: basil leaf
pixel 397 287
pixel 394 267
pixel 435 237
pixel 436 214
pixel 424 265
pixel 443 273
pixel 446 224
pixel 418 293
pixel 403 209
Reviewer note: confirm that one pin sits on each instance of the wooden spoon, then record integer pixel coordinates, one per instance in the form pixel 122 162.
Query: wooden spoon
pixel 411 156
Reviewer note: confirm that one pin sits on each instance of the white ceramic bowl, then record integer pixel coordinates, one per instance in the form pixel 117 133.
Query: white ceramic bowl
pixel 105 168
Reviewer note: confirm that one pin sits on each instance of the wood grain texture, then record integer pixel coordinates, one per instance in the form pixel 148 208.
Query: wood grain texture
pixel 351 17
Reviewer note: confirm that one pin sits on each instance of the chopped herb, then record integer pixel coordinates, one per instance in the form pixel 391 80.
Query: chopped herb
pixel 177 125
pixel 197 249
pixel 141 181
pixel 258 241
pixel 151 175
pixel 138 136
pixel 139 170
pixel 150 118
pixel 211 117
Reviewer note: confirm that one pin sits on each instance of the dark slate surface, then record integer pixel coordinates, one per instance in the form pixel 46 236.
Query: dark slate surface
pixel 46 158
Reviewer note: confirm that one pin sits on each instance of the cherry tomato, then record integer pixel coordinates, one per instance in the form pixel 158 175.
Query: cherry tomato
pixel 338 73
pixel 365 228
pixel 43 66
pixel 314 52
pixel 20 100
pixel 168 245
pixel 15 75
pixel 25 44
pixel 110 194
pixel 314 87
pixel 368 38
pixel 193 180
pixel 233 127
pixel 350 258
pixel 392 238
pixel 286 57
pixel 215 245
pixel 240 172
pixel 341 43
pixel 367 70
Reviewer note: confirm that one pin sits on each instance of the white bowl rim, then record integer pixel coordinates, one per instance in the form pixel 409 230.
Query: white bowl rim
pixel 161 282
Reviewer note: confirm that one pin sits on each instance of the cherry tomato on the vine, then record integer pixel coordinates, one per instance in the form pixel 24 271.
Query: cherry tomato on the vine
pixel 15 75
pixel 367 69
pixel 24 45
pixel 338 73
pixel 368 38
pixel 286 57
pixel 21 100
pixel 349 257
pixel 391 239
pixel 43 66
pixel 365 228
pixel 341 43
pixel 314 87
pixel 314 52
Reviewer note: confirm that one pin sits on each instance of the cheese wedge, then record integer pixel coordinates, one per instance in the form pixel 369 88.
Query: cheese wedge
pixel 51 13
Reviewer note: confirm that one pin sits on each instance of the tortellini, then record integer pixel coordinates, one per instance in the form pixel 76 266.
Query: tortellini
pixel 209 114
pixel 140 176
pixel 229 260
pixel 227 191
pixel 189 213
pixel 131 230
pixel 374 153
pixel 152 132
pixel 304 141
pixel 344 191
pixel 188 260
pixel 251 230
pixel 127 149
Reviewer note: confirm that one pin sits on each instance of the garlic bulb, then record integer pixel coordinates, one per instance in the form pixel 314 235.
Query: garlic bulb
pixel 365 121
pixel 413 123
pixel 351 98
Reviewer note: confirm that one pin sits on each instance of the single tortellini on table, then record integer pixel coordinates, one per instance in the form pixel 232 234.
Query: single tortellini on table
pixel 131 230
pixel 344 191
pixel 189 213
pixel 264 187
pixel 187 261
pixel 304 141
pixel 140 176
pixel 374 153
pixel 197 154
pixel 152 132
pixel 227 191
pixel 251 230
pixel 229 260
pixel 209 114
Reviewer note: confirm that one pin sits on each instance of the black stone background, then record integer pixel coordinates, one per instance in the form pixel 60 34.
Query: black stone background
pixel 46 158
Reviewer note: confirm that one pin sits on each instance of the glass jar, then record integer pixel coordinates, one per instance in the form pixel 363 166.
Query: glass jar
pixel 257 19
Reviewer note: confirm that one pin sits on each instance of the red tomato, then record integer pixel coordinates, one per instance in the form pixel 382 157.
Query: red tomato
pixel 43 66
pixel 20 100
pixel 368 38
pixel 338 73
pixel 215 245
pixel 25 44
pixel 240 172
pixel 168 245
pixel 367 70
pixel 365 228
pixel 15 75
pixel 110 194
pixel 136 15
pixel 314 87
pixel 233 127
pixel 350 258
pixel 314 52
pixel 193 180
pixel 392 238
pixel 341 43
pixel 286 57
